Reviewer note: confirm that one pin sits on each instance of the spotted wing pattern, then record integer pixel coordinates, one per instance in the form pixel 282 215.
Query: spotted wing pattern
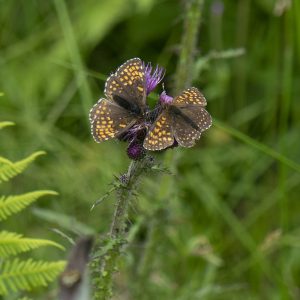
pixel 128 82
pixel 189 124
pixel 190 96
pixel 108 120
pixel 160 135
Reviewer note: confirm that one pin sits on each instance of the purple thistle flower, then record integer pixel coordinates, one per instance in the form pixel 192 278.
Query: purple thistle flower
pixel 153 78
pixel 164 98
pixel 135 151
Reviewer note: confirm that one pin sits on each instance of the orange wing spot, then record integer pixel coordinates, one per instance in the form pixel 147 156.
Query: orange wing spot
pixel 141 89
pixel 122 125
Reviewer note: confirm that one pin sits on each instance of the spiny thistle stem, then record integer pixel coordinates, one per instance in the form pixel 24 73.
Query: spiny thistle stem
pixel 105 266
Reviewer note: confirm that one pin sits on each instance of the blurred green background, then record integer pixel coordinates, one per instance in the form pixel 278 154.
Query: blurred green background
pixel 226 224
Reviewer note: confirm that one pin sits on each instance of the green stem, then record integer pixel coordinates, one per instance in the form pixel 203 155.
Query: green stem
pixel 185 67
pixel 105 265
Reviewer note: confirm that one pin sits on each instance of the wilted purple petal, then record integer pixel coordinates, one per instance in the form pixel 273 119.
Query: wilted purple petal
pixel 164 98
pixel 153 78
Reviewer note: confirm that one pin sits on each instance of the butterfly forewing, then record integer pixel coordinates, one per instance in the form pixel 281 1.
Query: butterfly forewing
pixel 190 96
pixel 128 82
pixel 108 120
pixel 160 135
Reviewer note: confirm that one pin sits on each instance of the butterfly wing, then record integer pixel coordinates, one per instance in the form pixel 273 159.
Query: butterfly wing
pixel 160 135
pixel 189 118
pixel 109 120
pixel 188 122
pixel 127 86
pixel 190 96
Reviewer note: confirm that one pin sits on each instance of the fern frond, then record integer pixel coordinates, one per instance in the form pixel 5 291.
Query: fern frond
pixel 5 124
pixel 12 243
pixel 9 169
pixel 13 204
pixel 4 161
pixel 24 275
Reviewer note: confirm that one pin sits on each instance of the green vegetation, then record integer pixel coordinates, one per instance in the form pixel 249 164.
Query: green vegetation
pixel 18 274
pixel 225 224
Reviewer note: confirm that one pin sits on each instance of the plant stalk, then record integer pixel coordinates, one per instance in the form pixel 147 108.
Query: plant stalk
pixel 105 265
pixel 185 67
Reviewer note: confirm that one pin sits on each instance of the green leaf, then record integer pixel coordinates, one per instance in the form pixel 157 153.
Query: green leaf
pixel 10 169
pixel 19 274
pixel 6 123
pixel 64 221
pixel 12 243
pixel 13 204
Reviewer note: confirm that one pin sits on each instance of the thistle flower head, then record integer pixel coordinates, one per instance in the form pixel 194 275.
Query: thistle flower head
pixel 135 151
pixel 153 77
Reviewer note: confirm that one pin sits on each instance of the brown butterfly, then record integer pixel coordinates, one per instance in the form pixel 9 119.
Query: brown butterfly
pixel 125 102
pixel 183 120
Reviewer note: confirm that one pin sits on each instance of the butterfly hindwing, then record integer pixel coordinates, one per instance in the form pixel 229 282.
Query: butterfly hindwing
pixel 188 123
pixel 160 135
pixel 108 120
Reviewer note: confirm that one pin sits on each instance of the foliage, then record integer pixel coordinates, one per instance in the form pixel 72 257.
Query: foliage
pixel 15 273
pixel 228 195
pixel 27 274
pixel 9 169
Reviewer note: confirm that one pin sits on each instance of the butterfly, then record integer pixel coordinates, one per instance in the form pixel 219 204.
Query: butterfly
pixel 125 102
pixel 183 120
